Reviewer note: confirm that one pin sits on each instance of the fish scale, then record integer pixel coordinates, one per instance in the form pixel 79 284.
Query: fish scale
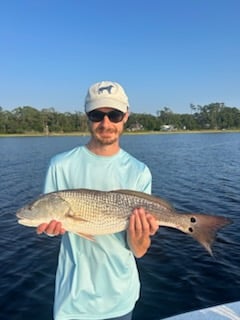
pixel 103 215
pixel 92 212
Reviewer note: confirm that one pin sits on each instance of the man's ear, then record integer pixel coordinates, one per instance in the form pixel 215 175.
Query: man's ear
pixel 125 119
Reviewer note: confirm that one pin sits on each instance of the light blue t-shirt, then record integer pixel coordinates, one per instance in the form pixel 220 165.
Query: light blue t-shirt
pixel 96 279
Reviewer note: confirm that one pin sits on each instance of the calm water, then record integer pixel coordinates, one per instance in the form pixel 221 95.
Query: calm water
pixel 196 172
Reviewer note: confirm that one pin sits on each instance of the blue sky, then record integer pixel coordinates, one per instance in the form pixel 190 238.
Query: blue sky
pixel 165 53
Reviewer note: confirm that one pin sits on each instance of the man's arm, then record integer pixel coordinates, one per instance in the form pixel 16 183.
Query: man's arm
pixel 142 225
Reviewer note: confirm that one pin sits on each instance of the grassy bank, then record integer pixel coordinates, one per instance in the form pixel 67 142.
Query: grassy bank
pixel 56 134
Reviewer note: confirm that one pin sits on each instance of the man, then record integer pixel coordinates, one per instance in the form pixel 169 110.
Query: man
pixel 99 279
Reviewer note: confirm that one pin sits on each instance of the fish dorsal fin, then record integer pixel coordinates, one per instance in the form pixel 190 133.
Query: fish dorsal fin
pixel 143 195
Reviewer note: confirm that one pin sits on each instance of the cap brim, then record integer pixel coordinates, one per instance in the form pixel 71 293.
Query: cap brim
pixel 106 103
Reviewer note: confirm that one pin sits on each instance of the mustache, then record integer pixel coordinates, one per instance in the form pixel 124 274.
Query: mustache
pixel 105 130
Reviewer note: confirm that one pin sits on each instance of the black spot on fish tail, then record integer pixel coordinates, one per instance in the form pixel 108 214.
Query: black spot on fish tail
pixel 203 228
pixel 193 219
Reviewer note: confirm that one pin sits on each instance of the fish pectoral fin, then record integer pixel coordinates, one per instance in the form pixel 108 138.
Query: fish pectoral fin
pixel 74 217
pixel 86 236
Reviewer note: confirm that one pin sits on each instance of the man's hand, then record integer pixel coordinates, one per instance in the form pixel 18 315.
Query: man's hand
pixel 54 228
pixel 142 225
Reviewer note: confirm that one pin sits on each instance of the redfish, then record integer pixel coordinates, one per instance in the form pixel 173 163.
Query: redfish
pixel 91 212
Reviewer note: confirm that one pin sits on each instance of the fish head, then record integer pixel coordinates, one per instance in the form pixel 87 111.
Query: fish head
pixel 43 210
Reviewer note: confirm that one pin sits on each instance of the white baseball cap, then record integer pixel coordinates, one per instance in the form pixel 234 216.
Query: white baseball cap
pixel 106 94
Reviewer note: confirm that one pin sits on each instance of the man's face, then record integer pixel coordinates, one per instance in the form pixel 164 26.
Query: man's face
pixel 106 132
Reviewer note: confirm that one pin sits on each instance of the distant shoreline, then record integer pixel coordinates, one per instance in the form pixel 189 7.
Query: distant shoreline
pixel 56 134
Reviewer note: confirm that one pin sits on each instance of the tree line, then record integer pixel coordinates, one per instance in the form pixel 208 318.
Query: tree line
pixel 26 119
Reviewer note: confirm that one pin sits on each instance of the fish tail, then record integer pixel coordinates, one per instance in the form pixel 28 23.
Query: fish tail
pixel 203 228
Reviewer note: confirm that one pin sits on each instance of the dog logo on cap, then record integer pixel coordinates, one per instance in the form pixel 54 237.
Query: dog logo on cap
pixel 108 88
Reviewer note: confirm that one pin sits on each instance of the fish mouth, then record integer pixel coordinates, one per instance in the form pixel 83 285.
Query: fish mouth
pixel 21 219
pixel 21 214
pixel 18 214
pixel 25 221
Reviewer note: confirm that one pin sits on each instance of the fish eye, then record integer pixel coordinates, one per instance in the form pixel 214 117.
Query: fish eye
pixel 29 206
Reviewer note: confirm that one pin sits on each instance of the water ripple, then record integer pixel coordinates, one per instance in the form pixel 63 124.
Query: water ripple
pixel 196 173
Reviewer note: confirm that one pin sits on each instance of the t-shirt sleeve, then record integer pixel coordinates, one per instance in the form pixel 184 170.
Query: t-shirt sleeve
pixel 145 181
pixel 50 184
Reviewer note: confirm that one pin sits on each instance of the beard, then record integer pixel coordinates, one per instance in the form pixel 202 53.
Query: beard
pixel 106 136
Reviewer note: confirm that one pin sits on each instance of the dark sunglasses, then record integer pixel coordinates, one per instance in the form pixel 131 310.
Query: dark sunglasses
pixel 97 115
